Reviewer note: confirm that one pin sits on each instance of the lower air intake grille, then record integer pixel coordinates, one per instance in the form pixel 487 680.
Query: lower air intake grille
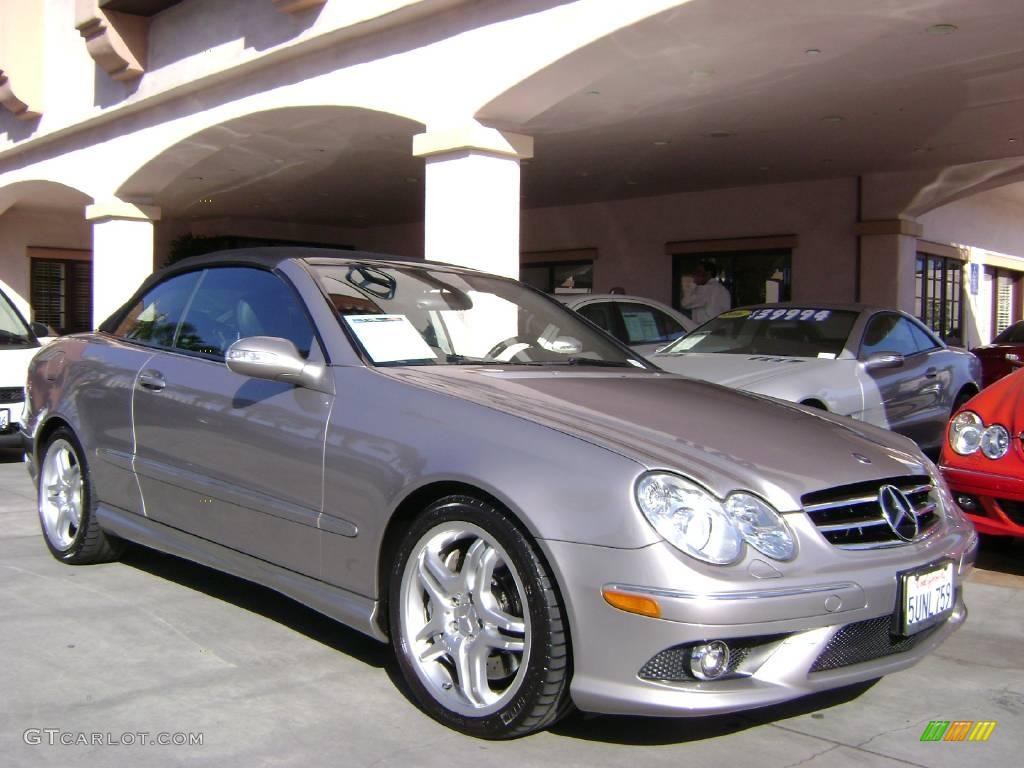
pixel 866 641
pixel 1012 509
pixel 673 664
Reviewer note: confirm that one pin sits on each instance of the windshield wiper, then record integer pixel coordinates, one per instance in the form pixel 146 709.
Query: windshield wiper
pixel 465 360
pixel 588 361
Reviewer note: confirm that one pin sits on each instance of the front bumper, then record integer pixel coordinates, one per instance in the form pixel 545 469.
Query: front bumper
pixel 994 493
pixel 798 626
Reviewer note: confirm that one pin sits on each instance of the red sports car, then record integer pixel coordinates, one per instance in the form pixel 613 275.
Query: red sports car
pixel 983 457
pixel 1003 355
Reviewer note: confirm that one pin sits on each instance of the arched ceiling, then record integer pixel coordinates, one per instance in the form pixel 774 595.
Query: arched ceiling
pixel 719 93
pixel 334 165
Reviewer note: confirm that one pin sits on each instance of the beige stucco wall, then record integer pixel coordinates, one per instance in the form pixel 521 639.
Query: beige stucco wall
pixel 992 220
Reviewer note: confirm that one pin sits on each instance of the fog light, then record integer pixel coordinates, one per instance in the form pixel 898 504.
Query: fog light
pixel 710 660
pixel 967 503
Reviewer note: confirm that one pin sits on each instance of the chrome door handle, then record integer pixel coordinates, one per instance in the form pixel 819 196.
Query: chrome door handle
pixel 152 380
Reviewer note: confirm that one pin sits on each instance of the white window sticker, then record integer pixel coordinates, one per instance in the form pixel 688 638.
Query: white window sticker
pixel 826 355
pixel 389 338
pixel 817 315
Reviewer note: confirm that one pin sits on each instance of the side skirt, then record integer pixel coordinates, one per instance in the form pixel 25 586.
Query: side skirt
pixel 346 607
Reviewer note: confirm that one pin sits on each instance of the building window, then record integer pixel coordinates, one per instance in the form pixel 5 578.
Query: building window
pixel 560 277
pixel 62 294
pixel 938 296
pixel 752 276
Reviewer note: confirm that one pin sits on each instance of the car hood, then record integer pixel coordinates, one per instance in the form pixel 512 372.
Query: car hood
pixel 14 365
pixel 740 371
pixel 721 437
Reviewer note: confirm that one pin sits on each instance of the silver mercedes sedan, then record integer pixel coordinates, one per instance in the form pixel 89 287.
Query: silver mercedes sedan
pixel 869 363
pixel 454 463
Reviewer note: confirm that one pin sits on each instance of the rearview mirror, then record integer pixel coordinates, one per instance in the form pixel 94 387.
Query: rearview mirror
pixel 275 359
pixel 880 360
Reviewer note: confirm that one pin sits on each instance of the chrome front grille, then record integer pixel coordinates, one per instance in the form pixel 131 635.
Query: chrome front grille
pixel 851 516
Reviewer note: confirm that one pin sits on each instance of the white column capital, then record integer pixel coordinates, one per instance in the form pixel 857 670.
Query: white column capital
pixel 107 210
pixel 472 137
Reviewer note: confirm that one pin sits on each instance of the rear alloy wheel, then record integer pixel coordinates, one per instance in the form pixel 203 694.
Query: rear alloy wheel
pixel 477 623
pixel 66 509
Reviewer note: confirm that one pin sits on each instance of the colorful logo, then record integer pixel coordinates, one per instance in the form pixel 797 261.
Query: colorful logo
pixel 958 730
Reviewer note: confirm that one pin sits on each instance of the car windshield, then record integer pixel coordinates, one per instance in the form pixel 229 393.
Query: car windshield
pixel 13 331
pixel 777 331
pixel 408 315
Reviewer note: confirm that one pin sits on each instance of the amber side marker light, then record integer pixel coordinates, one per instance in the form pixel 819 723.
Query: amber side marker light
pixel 645 606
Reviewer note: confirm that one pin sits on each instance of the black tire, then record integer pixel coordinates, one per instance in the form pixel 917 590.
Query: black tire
pixel 532 694
pixel 85 542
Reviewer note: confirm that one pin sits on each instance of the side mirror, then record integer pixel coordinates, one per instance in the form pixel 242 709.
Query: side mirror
pixel 276 359
pixel 881 360
pixel 39 329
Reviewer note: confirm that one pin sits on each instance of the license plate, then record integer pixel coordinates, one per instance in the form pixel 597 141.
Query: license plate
pixel 926 597
pixel 5 417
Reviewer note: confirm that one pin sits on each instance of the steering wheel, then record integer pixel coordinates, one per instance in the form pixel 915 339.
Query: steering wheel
pixel 505 350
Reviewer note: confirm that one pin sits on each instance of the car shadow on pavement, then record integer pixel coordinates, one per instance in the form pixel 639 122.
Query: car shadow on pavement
pixel 660 731
pixel 259 600
pixel 1002 553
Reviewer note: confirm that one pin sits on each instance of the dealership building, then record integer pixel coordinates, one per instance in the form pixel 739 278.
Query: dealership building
pixel 841 150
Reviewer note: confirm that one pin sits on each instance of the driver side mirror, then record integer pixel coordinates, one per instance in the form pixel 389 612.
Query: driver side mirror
pixel 39 330
pixel 882 360
pixel 276 359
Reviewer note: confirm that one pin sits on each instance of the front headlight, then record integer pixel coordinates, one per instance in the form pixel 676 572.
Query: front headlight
pixel 760 526
pixel 995 441
pixel 694 521
pixel 965 433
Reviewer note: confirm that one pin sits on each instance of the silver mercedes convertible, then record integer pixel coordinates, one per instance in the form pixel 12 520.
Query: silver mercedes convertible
pixel 454 463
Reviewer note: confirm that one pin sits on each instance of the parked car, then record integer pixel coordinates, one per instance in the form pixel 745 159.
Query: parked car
pixel 1004 355
pixel 531 514
pixel 643 324
pixel 18 343
pixel 873 364
pixel 983 460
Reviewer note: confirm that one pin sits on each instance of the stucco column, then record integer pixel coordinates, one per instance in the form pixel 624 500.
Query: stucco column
pixel 471 215
pixel 122 252
pixel 888 251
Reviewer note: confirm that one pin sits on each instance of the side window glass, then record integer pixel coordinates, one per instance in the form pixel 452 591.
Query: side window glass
pixel 154 319
pixel 923 340
pixel 889 333
pixel 604 315
pixel 234 302
pixel 646 325
pixel 1017 334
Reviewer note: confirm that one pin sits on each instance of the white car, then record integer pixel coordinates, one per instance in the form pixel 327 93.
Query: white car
pixel 870 363
pixel 643 324
pixel 18 344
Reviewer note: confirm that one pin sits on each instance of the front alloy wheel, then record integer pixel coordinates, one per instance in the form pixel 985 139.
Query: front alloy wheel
pixel 476 622
pixel 67 511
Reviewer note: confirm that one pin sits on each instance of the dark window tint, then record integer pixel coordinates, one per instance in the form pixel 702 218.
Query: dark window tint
pixel 602 315
pixel 154 319
pixel 647 325
pixel 1012 335
pixel 889 333
pixel 234 302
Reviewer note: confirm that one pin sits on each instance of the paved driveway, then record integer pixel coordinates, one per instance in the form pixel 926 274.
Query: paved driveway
pixel 157 646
